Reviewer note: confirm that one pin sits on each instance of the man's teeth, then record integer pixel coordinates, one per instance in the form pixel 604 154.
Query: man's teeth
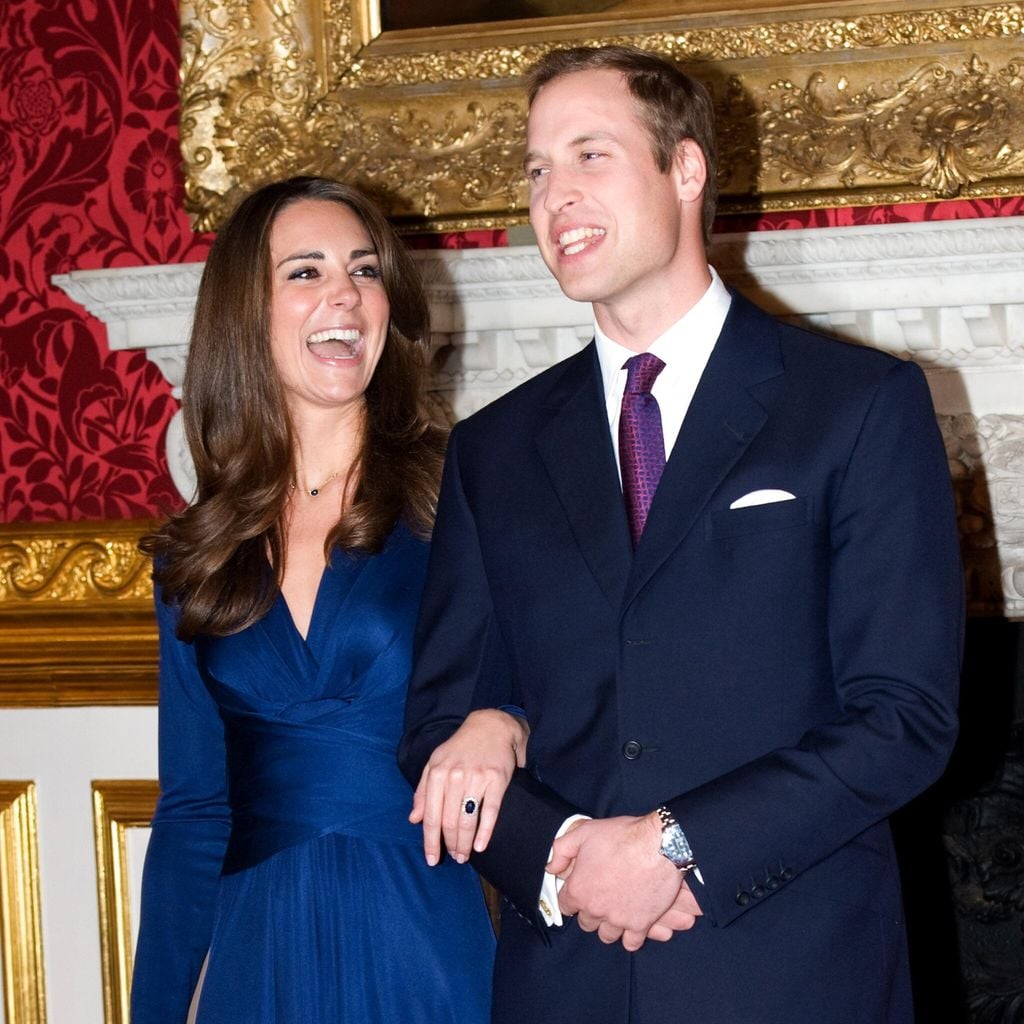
pixel 578 239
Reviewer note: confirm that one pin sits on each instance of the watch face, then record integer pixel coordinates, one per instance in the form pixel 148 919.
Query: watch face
pixel 675 847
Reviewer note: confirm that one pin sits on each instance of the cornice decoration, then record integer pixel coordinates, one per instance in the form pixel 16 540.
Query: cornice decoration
pixel 942 127
pixel 76 616
pixel 72 569
pixel 817 106
pixel 949 295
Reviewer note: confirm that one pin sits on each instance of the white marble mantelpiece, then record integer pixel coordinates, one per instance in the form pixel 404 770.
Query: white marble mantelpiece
pixel 949 295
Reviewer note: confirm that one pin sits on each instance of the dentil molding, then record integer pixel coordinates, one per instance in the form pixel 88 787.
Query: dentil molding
pixel 949 295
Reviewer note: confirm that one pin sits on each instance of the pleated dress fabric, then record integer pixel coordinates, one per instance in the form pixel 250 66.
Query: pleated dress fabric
pixel 281 847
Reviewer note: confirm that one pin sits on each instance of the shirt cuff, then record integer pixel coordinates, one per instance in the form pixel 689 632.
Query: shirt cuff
pixel 552 885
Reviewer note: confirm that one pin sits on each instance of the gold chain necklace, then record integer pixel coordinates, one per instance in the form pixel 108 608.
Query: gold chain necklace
pixel 314 491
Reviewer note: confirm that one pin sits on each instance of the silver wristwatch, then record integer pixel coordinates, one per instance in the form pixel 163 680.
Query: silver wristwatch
pixel 674 845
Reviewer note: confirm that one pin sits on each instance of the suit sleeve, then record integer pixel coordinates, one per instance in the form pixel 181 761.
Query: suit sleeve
pixel 188 838
pixel 461 664
pixel 895 623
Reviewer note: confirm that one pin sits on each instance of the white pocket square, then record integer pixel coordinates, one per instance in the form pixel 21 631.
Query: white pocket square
pixel 765 497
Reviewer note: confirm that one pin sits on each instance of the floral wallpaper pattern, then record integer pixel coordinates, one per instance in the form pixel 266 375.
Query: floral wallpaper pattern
pixel 90 177
pixel 849 216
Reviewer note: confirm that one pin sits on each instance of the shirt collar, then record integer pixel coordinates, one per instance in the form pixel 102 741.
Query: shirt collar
pixel 686 344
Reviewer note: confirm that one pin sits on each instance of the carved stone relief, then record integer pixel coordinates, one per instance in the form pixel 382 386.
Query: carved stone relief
pixel 948 295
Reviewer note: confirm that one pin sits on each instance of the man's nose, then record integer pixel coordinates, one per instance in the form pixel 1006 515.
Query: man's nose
pixel 562 190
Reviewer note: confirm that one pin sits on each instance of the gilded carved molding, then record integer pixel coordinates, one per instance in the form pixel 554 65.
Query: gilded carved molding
pixel 82 565
pixel 118 805
pixel 22 981
pixel 76 618
pixel 819 104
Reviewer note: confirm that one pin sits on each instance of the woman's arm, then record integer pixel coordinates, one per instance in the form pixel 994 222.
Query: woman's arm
pixel 188 838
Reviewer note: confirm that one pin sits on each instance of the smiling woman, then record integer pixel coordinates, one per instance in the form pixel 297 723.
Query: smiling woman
pixel 281 851
pixel 328 318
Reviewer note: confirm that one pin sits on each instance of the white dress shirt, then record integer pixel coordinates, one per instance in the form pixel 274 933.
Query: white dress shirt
pixel 685 349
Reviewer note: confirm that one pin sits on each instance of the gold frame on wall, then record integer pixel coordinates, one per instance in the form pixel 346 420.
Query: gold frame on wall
pixel 76 615
pixel 21 942
pixel 820 104
pixel 118 805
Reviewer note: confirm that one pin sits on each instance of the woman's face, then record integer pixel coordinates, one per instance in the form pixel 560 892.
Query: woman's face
pixel 328 308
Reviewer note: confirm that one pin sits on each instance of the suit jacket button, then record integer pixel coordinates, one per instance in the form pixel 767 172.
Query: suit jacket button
pixel 773 882
pixel 786 874
pixel 757 891
pixel 742 898
pixel 631 750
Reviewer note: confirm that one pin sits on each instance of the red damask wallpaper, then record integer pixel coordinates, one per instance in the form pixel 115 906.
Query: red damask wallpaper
pixel 90 177
pixel 964 209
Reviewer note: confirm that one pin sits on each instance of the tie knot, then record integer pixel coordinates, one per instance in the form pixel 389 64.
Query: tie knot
pixel 641 373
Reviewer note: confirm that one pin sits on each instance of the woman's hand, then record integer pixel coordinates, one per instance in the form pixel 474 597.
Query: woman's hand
pixel 461 788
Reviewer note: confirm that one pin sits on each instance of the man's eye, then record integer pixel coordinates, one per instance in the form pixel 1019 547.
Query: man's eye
pixel 534 173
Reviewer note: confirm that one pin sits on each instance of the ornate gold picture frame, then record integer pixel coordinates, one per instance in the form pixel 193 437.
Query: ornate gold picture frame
pixel 118 805
pixel 21 941
pixel 820 104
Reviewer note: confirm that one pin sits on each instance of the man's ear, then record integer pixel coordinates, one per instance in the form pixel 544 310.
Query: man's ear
pixel 690 171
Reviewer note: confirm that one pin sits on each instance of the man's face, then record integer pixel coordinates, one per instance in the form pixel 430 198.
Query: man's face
pixel 607 220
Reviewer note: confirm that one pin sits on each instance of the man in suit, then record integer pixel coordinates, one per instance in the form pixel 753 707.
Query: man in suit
pixel 736 662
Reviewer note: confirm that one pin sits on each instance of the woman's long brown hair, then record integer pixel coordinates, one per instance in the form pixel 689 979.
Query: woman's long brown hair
pixel 212 559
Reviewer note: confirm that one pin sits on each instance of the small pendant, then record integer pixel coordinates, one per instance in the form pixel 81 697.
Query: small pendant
pixel 314 492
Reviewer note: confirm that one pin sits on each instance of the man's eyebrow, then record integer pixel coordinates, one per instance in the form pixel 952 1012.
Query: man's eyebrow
pixel 580 140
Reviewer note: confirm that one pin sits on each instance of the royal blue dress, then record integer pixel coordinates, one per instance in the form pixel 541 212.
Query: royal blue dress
pixel 280 845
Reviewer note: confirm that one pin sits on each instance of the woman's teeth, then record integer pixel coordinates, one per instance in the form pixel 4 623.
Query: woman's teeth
pixel 335 343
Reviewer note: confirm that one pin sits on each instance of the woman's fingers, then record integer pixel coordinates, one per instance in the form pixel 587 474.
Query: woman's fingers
pixel 467 822
pixel 488 818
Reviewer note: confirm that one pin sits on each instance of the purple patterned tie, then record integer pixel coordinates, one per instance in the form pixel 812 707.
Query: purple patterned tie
pixel 641 440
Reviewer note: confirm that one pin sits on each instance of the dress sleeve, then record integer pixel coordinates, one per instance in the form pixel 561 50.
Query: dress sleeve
pixel 189 836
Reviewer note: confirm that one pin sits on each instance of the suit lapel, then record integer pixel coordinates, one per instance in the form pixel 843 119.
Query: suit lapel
pixel 728 410
pixel 576 450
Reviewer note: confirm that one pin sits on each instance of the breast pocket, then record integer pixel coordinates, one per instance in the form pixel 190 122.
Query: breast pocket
pixel 792 514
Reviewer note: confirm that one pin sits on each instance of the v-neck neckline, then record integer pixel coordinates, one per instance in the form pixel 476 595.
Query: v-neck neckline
pixel 313 615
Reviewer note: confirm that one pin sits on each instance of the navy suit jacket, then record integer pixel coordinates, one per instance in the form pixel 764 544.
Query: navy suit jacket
pixel 782 676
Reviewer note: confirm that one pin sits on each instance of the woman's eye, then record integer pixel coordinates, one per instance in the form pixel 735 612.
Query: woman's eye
pixel 368 272
pixel 303 274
